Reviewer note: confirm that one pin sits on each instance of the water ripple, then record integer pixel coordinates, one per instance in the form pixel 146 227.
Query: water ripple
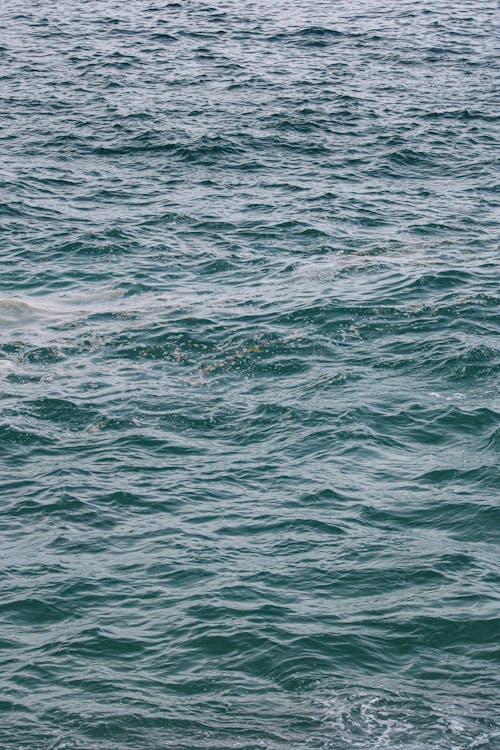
pixel 249 357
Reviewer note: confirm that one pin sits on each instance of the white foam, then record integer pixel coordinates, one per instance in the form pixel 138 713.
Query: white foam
pixel 14 310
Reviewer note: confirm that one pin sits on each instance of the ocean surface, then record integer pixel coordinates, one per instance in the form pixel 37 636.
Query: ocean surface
pixel 249 368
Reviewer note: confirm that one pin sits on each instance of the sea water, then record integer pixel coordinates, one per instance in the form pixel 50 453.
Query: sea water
pixel 249 361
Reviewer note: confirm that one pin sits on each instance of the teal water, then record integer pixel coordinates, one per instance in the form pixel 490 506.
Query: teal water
pixel 249 360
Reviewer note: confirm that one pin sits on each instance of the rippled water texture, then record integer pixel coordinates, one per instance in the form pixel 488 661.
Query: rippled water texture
pixel 249 357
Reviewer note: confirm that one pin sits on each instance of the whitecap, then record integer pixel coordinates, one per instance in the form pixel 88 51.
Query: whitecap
pixel 15 311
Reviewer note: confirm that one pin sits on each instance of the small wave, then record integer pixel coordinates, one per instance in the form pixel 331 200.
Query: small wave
pixel 15 311
pixel 311 36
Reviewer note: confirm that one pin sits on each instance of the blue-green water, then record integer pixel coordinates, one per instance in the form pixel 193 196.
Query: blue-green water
pixel 249 360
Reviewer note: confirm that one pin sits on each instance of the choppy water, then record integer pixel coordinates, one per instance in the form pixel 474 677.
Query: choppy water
pixel 249 358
